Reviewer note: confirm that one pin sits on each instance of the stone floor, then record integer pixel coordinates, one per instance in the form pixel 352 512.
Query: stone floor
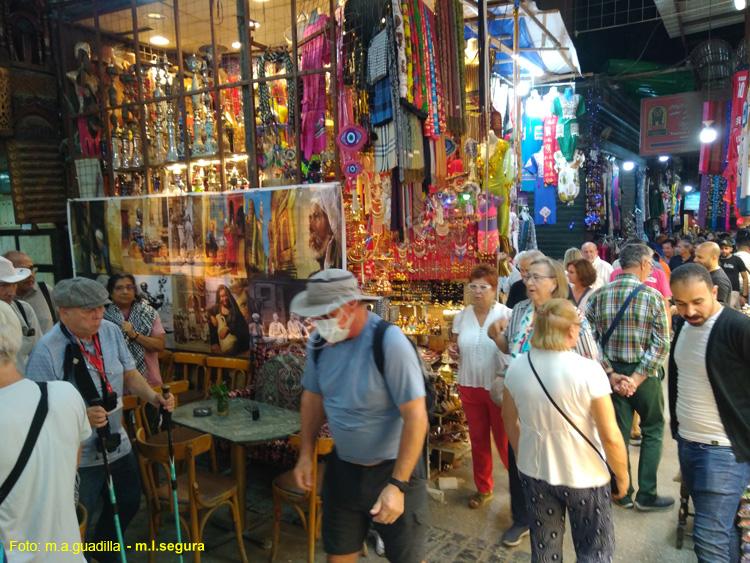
pixel 456 533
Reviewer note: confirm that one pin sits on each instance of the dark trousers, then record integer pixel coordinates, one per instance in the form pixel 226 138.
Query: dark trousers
pixel 591 523
pixel 94 495
pixel 648 402
pixel 517 499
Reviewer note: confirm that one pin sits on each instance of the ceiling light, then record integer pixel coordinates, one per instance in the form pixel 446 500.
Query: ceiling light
pixel 530 67
pixel 253 24
pixel 663 158
pixel 236 44
pixel 708 134
pixel 628 165
pixel 159 41
pixel 688 188
pixel 524 87
pixel 155 16
pixel 739 4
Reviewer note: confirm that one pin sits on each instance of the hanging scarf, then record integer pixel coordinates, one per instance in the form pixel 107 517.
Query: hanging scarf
pixel 142 317
pixel 266 116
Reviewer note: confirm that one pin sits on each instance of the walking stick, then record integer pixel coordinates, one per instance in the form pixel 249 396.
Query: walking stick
pixel 172 474
pixel 101 432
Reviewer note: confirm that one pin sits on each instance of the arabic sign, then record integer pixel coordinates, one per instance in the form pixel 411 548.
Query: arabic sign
pixel 670 124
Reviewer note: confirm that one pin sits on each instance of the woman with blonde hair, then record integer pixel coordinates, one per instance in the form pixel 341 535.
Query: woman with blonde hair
pixel 545 280
pixel 571 255
pixel 560 420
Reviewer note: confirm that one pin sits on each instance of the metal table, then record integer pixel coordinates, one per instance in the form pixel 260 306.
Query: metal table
pixel 239 428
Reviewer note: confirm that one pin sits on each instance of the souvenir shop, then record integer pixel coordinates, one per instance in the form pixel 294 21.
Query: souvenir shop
pixel 221 162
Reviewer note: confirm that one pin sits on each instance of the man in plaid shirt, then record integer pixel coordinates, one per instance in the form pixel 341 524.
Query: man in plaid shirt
pixel 633 357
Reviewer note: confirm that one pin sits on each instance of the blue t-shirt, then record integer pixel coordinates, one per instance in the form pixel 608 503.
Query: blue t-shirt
pixel 46 364
pixel 362 405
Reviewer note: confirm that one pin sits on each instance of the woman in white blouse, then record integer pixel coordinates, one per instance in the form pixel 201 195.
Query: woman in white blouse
pixel 479 363
pixel 560 472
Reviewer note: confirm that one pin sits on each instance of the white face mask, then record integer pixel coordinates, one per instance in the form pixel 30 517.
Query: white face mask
pixel 330 330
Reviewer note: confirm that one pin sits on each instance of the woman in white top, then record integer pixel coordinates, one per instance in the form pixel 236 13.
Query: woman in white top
pixel 479 363
pixel 582 277
pixel 559 470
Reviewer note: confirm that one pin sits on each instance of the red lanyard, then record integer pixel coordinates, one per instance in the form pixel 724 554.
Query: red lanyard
pixel 97 361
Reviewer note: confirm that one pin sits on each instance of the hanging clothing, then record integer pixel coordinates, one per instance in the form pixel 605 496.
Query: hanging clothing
pixel 550 147
pixel 526 233
pixel 568 109
pixel 545 204
pixel 315 55
pixel 488 238
pixel 568 180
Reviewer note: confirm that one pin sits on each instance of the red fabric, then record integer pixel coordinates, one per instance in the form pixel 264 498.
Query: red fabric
pixel 739 95
pixel 710 154
pixel 550 146
pixel 484 419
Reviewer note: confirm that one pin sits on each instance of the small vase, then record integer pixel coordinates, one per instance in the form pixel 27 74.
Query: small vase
pixel 222 406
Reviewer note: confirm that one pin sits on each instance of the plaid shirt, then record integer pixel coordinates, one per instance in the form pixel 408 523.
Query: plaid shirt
pixel 642 336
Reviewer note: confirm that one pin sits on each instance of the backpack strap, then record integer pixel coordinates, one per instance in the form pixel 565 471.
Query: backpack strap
pixel 28 446
pixel 45 293
pixel 377 345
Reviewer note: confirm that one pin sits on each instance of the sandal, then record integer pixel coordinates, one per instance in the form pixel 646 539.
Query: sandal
pixel 478 500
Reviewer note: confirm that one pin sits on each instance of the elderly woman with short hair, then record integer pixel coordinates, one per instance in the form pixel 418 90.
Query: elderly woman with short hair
pixel 545 280
pixel 560 472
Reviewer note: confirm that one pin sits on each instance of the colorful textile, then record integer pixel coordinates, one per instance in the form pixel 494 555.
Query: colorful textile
pixel 264 95
pixel 739 99
pixel 377 58
pixel 545 204
pixel 550 147
pixel 568 179
pixel 399 36
pixel 568 109
pixel 381 111
pixel 315 54
pixel 488 238
pixel 533 137
pixel 384 145
pixel 630 343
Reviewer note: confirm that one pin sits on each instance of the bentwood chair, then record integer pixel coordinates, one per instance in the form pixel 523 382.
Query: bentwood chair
pixel 307 504
pixel 199 492
pixel 235 372
pixel 189 366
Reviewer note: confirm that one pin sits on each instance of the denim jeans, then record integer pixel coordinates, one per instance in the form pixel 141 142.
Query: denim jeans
pixel 94 495
pixel 715 481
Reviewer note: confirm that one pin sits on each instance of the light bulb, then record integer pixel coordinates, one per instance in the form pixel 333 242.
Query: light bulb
pixel 663 158
pixel 739 4
pixel 628 165
pixel 159 41
pixel 708 135
pixel 236 44
pixel 688 188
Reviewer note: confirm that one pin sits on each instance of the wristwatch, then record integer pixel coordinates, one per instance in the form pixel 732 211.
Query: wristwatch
pixel 400 485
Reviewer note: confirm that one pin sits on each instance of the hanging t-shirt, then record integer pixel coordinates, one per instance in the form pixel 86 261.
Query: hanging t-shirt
pixel 550 147
pixel 568 109
pixel 533 135
pixel 545 204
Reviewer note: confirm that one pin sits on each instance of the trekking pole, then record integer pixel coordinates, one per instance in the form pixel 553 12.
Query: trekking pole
pixel 172 474
pixel 102 433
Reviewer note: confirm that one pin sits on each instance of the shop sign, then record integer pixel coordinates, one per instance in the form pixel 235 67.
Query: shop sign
pixel 670 124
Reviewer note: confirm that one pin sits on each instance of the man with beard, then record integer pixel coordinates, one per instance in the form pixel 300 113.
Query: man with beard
pixel 324 241
pixel 709 402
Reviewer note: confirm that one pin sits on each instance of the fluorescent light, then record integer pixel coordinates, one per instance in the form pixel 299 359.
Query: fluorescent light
pixel 159 41
pixel 708 134
pixel 687 188
pixel 628 165
pixel 740 4
pixel 236 44
pixel 155 16
pixel 663 158
pixel 532 68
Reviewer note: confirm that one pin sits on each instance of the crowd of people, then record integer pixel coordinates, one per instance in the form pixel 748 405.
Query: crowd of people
pixel 560 365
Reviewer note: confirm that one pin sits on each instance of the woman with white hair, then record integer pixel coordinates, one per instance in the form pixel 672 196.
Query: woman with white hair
pixel 48 476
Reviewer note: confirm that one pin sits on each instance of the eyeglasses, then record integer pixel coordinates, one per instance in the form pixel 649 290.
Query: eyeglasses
pixel 479 286
pixel 536 278
pixel 125 288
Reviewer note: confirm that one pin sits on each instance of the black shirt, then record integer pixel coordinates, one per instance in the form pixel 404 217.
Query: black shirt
pixel 675 262
pixel 733 267
pixel 723 285
pixel 516 294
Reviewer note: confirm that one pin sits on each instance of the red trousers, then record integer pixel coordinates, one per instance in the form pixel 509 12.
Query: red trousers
pixel 483 417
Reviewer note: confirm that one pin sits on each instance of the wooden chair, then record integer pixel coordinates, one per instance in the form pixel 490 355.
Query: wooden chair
pixel 234 371
pixel 166 365
pixel 199 492
pixel 307 504
pixel 188 366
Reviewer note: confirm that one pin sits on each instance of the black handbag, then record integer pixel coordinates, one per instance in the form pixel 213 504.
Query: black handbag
pixel 612 479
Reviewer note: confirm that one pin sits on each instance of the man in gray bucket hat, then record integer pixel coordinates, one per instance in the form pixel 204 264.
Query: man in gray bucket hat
pixel 364 377
pixel 91 353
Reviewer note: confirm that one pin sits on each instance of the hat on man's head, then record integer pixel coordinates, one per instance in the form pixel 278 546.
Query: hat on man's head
pixel 80 292
pixel 10 274
pixel 726 242
pixel 327 291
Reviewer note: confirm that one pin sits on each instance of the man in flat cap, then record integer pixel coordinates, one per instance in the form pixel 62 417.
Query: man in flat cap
pixel 91 353
pixel 364 377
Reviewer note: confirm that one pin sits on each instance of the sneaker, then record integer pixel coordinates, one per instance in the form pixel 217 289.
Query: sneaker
pixel 513 535
pixel 625 502
pixel 656 505
pixel 635 441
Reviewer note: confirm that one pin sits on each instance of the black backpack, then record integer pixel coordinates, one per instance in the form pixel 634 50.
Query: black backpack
pixel 379 357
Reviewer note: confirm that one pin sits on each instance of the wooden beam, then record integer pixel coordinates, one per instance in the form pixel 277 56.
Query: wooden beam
pixel 554 39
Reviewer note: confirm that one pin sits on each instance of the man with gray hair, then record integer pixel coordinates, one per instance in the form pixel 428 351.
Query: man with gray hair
pixel 603 269
pixel 629 320
pixel 517 291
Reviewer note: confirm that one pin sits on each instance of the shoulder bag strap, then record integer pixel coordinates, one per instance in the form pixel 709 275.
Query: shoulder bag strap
pixel 28 445
pixel 22 312
pixel 45 293
pixel 619 315
pixel 565 416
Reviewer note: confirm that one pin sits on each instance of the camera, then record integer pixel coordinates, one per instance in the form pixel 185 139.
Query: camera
pixel 107 439
pixel 28 331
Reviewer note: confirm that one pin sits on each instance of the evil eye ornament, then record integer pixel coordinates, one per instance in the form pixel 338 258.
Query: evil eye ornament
pixel 289 155
pixel 450 147
pixel 353 169
pixel 352 139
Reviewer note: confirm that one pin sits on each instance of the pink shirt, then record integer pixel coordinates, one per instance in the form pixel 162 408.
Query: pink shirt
pixel 657 280
pixel 153 374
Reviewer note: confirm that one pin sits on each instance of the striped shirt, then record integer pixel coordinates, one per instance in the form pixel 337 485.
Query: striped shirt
pixel 519 324
pixel 642 337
